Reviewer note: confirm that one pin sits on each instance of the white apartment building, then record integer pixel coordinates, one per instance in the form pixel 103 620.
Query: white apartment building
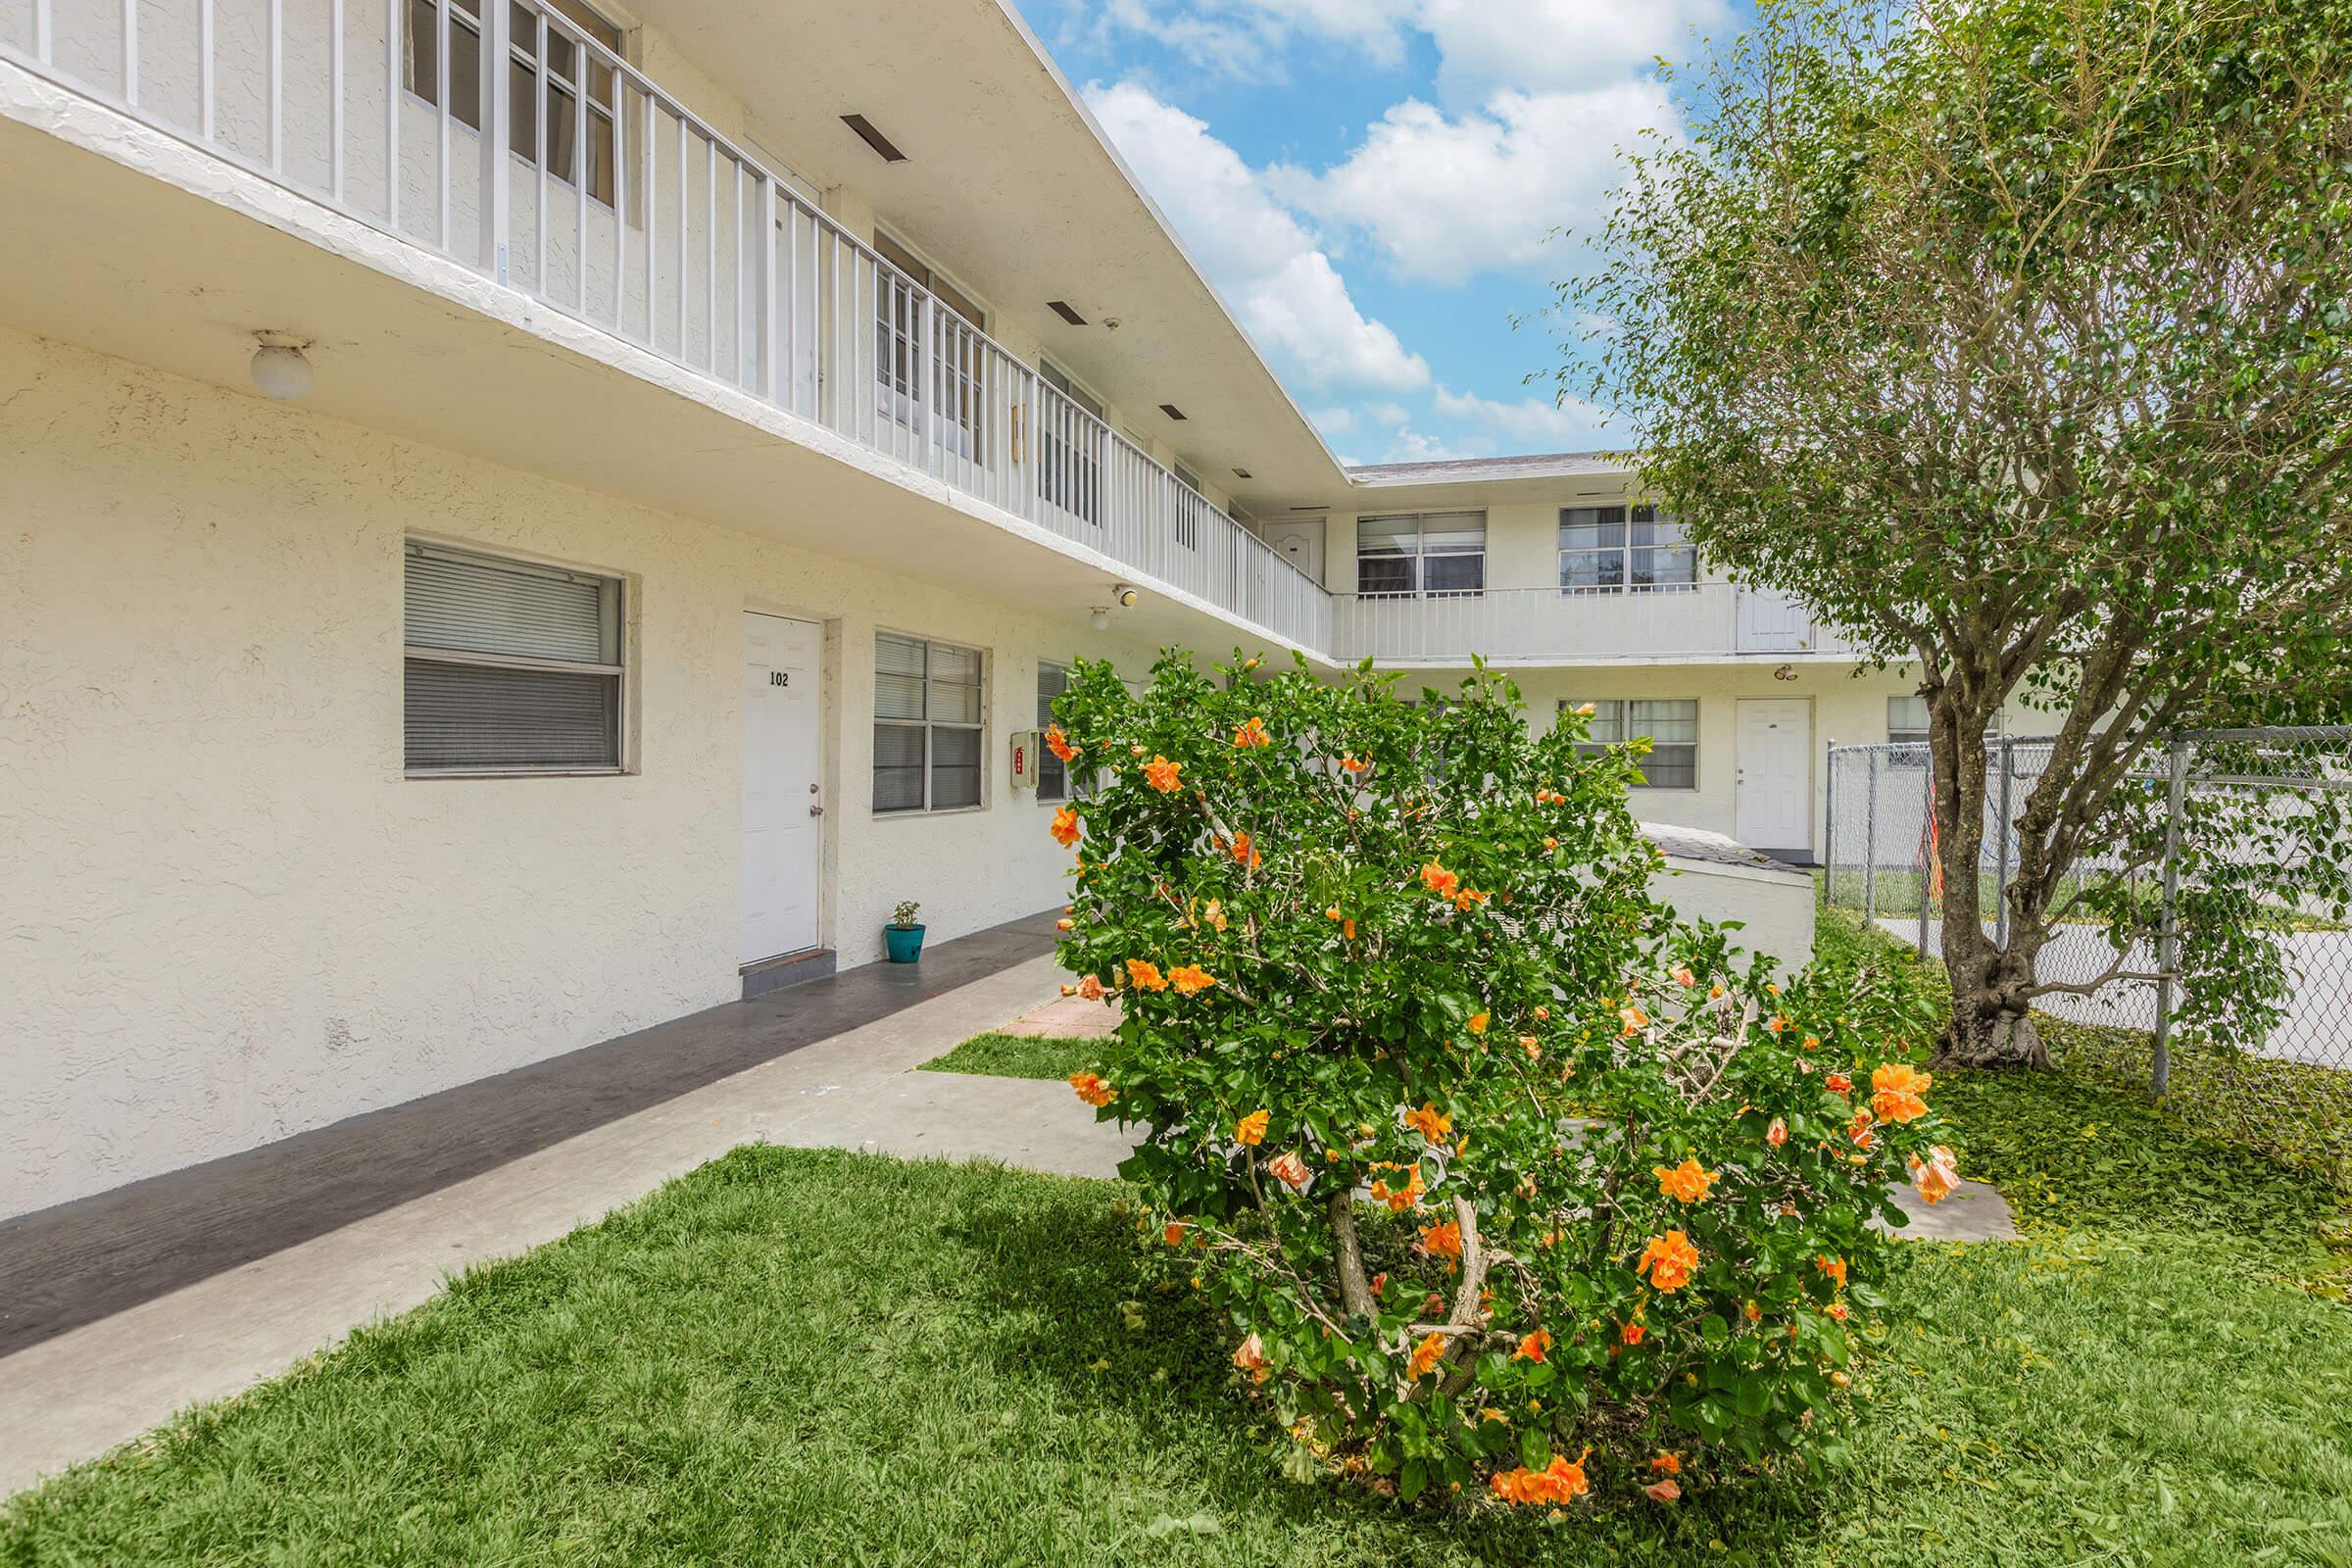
pixel 697 438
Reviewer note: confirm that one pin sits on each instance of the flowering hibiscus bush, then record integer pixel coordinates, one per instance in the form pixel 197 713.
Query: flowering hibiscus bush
pixel 1510 1184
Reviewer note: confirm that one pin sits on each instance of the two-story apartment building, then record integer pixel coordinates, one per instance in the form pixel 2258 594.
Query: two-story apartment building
pixel 521 523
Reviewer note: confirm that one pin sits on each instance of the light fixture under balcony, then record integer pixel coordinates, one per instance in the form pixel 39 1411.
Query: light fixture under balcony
pixel 1100 619
pixel 1124 596
pixel 279 369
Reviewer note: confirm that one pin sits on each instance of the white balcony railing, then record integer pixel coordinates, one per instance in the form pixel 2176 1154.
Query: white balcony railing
pixel 570 175
pixel 1573 627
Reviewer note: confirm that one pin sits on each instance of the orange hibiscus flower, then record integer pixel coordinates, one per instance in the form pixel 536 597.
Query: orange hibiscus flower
pixel 1059 744
pixel 1683 977
pixel 1190 979
pixel 1400 1198
pixel 1686 1183
pixel 1534 1347
pixel 1632 1018
pixel 1633 1332
pixel 1777 1134
pixel 1251 1130
pixel 1250 1356
pixel 1246 852
pixel 1425 1355
pixel 1430 1122
pixel 1669 1260
pixel 1353 765
pixel 1530 1045
pixel 1562 1481
pixel 1478 1023
pixel 1935 1176
pixel 1837 1083
pixel 1093 1090
pixel 1834 1267
pixel 1290 1171
pixel 1858 1130
pixel 1145 975
pixel 1896 1090
pixel 1254 733
pixel 1667 1464
pixel 1066 826
pixel 1161 775
pixel 1443 1241
pixel 1661 1491
pixel 1439 880
pixel 1172 1232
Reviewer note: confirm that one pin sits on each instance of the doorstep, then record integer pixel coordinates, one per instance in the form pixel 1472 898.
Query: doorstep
pixel 792 969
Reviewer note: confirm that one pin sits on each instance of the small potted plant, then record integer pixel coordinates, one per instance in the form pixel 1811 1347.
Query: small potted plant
pixel 904 934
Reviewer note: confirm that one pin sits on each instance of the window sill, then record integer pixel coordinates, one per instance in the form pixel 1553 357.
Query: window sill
pixel 924 816
pixel 516 772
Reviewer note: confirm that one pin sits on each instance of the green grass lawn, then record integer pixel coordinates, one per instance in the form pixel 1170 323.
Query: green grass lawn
pixel 1003 1055
pixel 796 1357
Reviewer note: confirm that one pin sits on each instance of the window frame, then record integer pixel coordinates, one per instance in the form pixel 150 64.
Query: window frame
pixel 1417 559
pixel 587 79
pixel 616 605
pixel 928 726
pixel 903 278
pixel 1905 734
pixel 1066 791
pixel 1622 724
pixel 1626 551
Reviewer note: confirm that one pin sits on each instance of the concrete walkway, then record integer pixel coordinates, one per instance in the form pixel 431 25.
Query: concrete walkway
pixel 79 1391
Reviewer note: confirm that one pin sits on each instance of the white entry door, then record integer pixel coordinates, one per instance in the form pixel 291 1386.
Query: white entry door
pixel 1772 622
pixel 1773 793
pixel 783 773
pixel 1302 542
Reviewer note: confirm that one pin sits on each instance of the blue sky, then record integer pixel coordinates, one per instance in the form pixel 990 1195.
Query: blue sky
pixel 1376 186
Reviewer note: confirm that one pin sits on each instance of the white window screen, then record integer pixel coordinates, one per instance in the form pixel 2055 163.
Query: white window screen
pixel 1614 548
pixel 1672 726
pixel 511 667
pixel 1436 554
pixel 1052 774
pixel 927 735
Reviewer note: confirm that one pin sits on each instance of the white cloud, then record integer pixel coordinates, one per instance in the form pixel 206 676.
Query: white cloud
pixel 1281 285
pixel 1480 45
pixel 1334 422
pixel 1444 196
pixel 1571 424
pixel 1410 446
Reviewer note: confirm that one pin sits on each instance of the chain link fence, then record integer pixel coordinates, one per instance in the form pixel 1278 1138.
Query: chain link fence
pixel 2209 923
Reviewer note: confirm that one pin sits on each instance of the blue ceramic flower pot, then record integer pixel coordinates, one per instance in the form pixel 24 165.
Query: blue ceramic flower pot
pixel 906 942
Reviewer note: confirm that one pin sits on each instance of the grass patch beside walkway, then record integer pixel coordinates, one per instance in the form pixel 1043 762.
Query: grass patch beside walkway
pixel 804 1356
pixel 1004 1055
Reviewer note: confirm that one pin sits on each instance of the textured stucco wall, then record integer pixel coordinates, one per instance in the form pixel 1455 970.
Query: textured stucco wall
pixel 229 917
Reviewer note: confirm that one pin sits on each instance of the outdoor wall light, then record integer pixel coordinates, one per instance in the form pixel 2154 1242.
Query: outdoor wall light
pixel 279 369
pixel 1785 672
pixel 1124 596
pixel 1100 619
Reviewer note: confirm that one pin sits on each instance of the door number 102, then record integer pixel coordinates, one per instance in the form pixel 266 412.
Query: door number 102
pixel 779 677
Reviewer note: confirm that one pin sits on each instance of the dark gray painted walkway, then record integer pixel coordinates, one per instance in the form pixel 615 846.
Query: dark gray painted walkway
pixel 81 1262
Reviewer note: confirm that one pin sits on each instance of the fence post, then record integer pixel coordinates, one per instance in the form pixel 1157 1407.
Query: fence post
pixel 2167 929
pixel 1828 825
pixel 1927 847
pixel 1870 840
pixel 2001 877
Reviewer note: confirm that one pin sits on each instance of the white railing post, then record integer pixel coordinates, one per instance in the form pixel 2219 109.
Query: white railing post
pixel 497 131
pixel 772 336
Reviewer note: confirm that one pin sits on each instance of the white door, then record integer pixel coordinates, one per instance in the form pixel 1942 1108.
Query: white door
pixel 1773 792
pixel 783 810
pixel 1772 622
pixel 1302 542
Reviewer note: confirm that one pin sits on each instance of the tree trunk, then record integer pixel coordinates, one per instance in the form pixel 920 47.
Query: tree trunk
pixel 1991 1024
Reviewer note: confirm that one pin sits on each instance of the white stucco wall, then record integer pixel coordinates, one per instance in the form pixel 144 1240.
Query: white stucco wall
pixel 228 916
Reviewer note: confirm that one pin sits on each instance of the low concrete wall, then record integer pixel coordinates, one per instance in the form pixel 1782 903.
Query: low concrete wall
pixel 1710 877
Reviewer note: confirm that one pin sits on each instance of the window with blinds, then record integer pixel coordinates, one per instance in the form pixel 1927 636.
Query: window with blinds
pixel 927 725
pixel 510 668
pixel 1671 725
pixel 1438 554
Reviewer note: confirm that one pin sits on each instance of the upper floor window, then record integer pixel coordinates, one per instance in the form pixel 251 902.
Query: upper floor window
pixel 1189 508
pixel 1672 726
pixel 1070 465
pixel 927 725
pixel 576 99
pixel 510 668
pixel 899 325
pixel 1432 554
pixel 1614 548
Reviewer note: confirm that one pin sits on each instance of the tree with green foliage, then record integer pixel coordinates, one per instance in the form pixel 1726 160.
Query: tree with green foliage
pixel 1511 1184
pixel 2011 337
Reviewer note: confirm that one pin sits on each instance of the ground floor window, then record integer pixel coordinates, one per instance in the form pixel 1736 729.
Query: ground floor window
pixel 511 667
pixel 1907 719
pixel 1052 773
pixel 1672 725
pixel 927 725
